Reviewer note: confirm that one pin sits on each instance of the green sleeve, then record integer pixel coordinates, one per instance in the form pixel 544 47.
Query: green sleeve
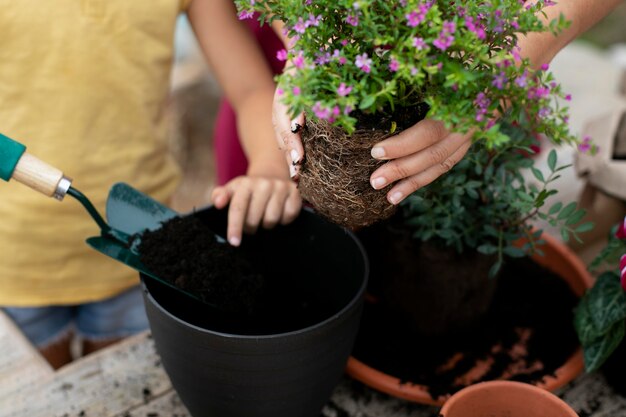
pixel 10 153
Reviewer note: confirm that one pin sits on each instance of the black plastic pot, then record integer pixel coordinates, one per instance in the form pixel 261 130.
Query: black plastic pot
pixel 223 367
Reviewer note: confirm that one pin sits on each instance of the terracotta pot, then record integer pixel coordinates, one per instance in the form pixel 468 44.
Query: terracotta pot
pixel 559 259
pixel 219 369
pixel 505 399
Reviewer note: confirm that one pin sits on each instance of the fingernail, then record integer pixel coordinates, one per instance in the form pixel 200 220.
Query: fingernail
pixel 234 241
pixel 395 198
pixel 292 171
pixel 378 152
pixel 295 127
pixel 379 182
pixel 295 156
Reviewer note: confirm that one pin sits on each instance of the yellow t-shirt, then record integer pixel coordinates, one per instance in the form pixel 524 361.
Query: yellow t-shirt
pixel 83 85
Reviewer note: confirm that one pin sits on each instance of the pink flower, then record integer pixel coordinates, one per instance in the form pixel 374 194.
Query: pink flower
pixel 281 55
pixel 296 91
pixel 568 97
pixel 313 20
pixel 445 39
pixel 363 62
pixel 622 270
pixel 419 43
pixel 417 16
pixel 300 26
pixel 476 27
pixel 394 65
pixel 499 80
pixel 352 20
pixel 344 90
pixel 245 14
pixel 585 146
pixel 298 60
pixel 321 112
pixel 621 230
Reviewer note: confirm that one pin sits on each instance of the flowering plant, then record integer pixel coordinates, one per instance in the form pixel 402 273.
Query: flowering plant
pixel 601 313
pixel 459 57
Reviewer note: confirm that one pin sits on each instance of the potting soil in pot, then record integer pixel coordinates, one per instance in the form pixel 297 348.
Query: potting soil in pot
pixel 246 299
pixel 527 334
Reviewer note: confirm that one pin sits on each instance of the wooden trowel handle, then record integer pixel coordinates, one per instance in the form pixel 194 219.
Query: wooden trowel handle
pixel 41 177
pixel 16 163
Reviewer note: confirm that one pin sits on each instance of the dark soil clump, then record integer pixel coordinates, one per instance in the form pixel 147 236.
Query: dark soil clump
pixel 335 175
pixel 248 294
pixel 532 309
pixel 185 252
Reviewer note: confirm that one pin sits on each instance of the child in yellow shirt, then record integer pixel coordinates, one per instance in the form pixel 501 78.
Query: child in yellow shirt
pixel 83 84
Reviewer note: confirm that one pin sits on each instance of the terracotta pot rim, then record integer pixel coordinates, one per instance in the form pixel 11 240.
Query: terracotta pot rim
pixel 530 389
pixel 570 369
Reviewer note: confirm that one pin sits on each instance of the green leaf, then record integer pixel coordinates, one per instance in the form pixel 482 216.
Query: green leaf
pixel 576 217
pixel 600 308
pixel 567 211
pixel 538 174
pixel 493 271
pixel 555 208
pixel 599 351
pixel 552 160
pixel 607 302
pixel 564 233
pixel 367 102
pixel 585 227
pixel 514 252
pixel 487 249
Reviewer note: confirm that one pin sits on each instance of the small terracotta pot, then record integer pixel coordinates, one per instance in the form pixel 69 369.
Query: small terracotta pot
pixel 505 398
pixel 559 259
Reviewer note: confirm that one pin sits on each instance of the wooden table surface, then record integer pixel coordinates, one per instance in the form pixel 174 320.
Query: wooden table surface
pixel 128 380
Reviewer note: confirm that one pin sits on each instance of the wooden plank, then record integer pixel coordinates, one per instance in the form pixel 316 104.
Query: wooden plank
pixel 108 383
pixel 21 365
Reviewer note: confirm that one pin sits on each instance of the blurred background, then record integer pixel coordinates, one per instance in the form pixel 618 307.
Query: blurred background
pixel 590 69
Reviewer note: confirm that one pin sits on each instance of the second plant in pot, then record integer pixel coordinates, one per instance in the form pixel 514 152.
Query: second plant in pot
pixel 451 286
pixel 365 70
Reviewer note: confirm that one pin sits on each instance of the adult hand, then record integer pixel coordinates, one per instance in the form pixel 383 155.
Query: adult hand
pixel 288 134
pixel 418 156
pixel 256 201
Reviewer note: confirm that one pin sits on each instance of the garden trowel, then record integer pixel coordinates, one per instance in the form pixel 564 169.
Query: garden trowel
pixel 129 211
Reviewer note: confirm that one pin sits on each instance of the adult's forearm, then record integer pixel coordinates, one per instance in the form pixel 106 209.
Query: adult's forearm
pixel 540 48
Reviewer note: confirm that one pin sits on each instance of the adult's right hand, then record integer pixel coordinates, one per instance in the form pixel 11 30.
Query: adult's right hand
pixel 288 134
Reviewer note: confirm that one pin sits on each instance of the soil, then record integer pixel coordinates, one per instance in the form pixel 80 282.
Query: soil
pixel 186 253
pixel 335 174
pixel 526 335
pixel 405 269
pixel 244 296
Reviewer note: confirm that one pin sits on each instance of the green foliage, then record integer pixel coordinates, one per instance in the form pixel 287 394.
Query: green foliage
pixel 599 320
pixel 484 203
pixel 457 56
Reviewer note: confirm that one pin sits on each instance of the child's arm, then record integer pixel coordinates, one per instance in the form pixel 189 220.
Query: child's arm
pixel 266 195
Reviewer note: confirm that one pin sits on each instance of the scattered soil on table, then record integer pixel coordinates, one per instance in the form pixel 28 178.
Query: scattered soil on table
pixel 526 335
pixel 247 294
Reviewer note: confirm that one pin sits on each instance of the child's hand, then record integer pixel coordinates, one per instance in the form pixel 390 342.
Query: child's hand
pixel 256 200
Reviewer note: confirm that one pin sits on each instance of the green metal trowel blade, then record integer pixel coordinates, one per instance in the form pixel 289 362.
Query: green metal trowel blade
pixel 132 212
